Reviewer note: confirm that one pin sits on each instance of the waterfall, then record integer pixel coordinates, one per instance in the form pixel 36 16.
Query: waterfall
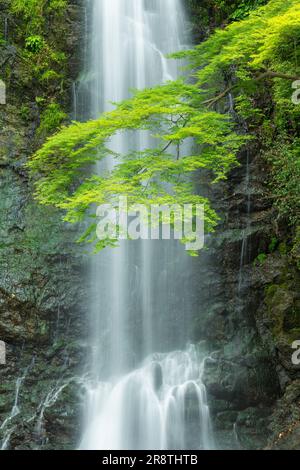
pixel 246 247
pixel 145 389
pixel 246 241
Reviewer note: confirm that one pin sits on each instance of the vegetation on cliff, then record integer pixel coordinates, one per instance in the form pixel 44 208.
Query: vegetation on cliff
pixel 35 64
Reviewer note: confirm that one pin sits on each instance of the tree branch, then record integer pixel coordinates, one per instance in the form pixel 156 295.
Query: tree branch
pixel 262 76
pixel 271 74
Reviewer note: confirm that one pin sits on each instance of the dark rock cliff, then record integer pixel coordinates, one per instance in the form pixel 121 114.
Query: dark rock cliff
pixel 250 317
pixel 41 293
pixel 248 283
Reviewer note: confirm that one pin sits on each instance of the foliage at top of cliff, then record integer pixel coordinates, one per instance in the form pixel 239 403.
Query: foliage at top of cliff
pixel 246 60
pixel 213 13
pixel 35 12
pixel 35 48
pixel 267 41
pixel 38 31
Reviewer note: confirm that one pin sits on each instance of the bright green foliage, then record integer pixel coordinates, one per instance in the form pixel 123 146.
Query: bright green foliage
pixel 267 40
pixel 51 119
pixel 260 259
pixel 170 114
pixel 257 60
pixel 34 44
pixel 247 58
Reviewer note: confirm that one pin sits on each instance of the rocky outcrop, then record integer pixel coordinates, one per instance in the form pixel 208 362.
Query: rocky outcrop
pixel 250 315
pixel 41 292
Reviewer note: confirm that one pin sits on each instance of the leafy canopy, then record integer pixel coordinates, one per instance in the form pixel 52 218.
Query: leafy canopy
pixel 238 59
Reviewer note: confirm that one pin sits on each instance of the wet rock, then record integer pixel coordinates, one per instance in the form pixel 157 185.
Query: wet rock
pixel 41 293
pixel 251 316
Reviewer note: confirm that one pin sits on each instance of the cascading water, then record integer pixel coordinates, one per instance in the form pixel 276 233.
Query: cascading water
pixel 141 394
pixel 246 247
pixel 161 405
pixel 6 425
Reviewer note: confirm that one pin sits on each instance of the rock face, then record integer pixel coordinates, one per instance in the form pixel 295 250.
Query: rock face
pixel 250 316
pixel 41 293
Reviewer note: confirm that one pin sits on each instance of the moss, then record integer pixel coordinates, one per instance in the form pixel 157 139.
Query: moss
pixel 51 119
pixel 283 311
pixel 25 113
pixel 34 44
pixel 293 335
pixel 273 244
pixel 260 259
pixel 295 251
pixel 270 290
pixel 39 38
pixel 273 299
pixel 35 12
pixel 282 248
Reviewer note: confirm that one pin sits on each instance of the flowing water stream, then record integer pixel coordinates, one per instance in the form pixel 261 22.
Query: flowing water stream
pixel 7 425
pixel 145 389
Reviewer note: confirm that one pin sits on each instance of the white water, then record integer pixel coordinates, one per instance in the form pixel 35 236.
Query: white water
pixel 50 399
pixel 161 405
pixel 15 411
pixel 141 394
pixel 246 247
